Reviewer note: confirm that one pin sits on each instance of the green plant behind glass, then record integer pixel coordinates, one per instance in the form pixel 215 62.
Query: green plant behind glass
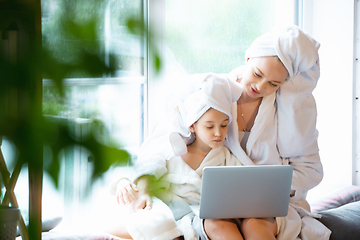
pixel 21 118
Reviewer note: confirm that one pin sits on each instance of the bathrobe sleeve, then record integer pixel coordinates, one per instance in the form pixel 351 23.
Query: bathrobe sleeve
pixel 297 133
pixel 153 154
pixel 307 174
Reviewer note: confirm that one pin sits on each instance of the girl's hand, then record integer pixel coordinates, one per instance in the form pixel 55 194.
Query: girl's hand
pixel 126 191
pixel 142 200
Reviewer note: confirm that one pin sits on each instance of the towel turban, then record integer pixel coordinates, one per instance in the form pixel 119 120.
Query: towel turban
pixel 296 49
pixel 214 92
pixel 207 91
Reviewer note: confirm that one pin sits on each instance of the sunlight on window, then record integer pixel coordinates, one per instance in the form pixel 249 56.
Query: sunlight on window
pixel 209 36
pixel 114 101
pixel 212 37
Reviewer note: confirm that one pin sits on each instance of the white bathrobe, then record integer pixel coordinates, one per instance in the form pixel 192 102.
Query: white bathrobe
pixel 262 149
pixel 178 188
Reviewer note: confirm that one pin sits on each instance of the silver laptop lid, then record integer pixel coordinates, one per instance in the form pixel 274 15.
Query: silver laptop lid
pixel 245 191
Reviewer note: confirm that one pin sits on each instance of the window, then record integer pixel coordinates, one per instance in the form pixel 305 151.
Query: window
pixel 356 113
pixel 115 100
pixel 207 36
pixel 191 36
pixel 338 157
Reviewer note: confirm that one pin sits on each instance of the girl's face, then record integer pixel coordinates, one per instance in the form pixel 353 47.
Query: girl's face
pixel 263 76
pixel 211 129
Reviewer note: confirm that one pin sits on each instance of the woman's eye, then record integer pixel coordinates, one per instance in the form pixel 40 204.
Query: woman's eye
pixel 272 84
pixel 224 126
pixel 256 74
pixel 209 127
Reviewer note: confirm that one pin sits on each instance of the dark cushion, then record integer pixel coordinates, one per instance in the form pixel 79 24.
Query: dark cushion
pixel 344 221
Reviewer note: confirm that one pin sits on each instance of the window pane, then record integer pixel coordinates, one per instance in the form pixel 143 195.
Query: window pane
pixel 110 19
pixel 117 104
pixel 209 36
pixel 115 100
pixel 110 99
pixel 212 36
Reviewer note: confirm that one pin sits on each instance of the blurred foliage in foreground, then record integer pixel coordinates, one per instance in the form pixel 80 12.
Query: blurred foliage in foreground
pixel 21 119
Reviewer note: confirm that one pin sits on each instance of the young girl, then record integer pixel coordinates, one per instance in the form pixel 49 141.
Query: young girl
pixel 196 138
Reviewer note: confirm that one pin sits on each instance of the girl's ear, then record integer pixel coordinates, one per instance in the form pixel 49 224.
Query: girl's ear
pixel 192 128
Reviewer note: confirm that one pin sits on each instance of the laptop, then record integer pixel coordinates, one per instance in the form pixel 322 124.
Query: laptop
pixel 245 191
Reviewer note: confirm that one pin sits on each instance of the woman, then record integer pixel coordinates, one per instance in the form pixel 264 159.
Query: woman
pixel 276 124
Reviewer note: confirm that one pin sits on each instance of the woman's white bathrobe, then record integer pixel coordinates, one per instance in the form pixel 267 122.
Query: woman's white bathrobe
pixel 262 148
pixel 178 188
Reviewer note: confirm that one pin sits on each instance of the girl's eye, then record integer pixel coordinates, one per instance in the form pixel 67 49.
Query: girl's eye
pixel 224 126
pixel 209 127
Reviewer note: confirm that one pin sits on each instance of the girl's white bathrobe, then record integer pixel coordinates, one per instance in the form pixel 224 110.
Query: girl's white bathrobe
pixel 178 188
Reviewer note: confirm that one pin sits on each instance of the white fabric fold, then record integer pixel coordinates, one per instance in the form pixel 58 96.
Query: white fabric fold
pixel 299 53
pixel 155 224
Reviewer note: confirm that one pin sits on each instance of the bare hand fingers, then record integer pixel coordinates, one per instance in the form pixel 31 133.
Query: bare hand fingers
pixel 125 192
pixel 148 204
pixel 128 195
pixel 120 198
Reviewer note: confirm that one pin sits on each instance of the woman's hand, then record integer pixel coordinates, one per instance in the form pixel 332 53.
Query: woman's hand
pixel 126 191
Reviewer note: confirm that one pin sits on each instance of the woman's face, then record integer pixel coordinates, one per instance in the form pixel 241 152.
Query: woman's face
pixel 263 76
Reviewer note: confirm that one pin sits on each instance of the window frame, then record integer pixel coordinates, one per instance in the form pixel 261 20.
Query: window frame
pixel 356 100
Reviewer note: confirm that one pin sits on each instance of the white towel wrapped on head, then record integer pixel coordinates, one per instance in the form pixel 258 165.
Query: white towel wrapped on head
pixel 296 49
pixel 212 91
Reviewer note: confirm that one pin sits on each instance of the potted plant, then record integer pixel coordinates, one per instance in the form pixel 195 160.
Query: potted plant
pixel 9 217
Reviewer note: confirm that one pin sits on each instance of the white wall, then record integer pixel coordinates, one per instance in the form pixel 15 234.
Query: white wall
pixel 331 23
